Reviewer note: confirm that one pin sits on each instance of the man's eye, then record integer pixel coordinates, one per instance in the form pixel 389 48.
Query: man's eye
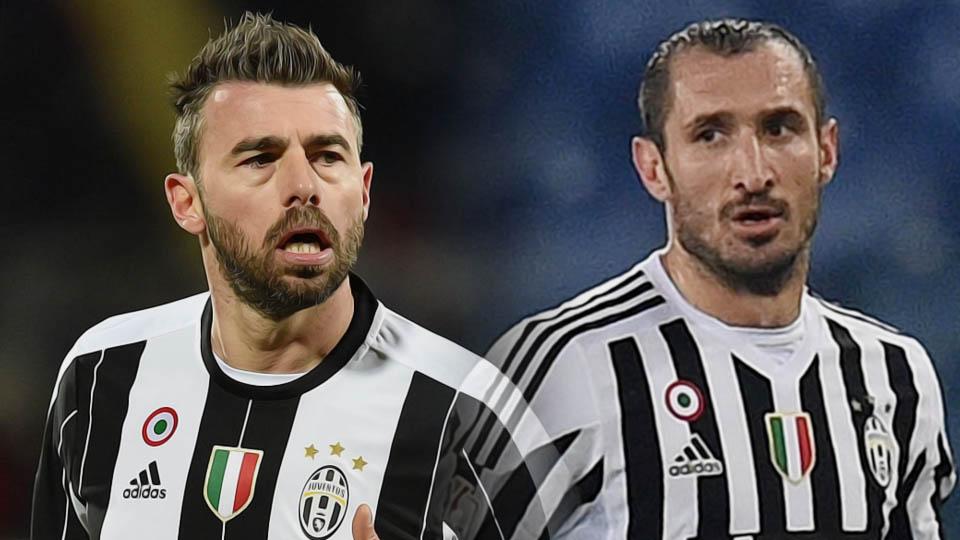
pixel 259 161
pixel 708 135
pixel 329 157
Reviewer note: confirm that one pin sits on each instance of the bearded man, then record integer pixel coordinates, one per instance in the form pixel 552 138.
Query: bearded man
pixel 706 392
pixel 287 400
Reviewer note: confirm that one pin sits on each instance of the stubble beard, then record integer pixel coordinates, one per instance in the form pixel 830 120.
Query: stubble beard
pixel 754 273
pixel 258 281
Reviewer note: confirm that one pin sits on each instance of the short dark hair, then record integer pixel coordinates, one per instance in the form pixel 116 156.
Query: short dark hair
pixel 257 49
pixel 726 37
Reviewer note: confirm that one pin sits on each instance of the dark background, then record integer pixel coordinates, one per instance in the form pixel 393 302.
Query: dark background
pixel 500 133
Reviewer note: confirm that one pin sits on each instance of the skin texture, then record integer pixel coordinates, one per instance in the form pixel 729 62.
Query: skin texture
pixel 741 177
pixel 306 172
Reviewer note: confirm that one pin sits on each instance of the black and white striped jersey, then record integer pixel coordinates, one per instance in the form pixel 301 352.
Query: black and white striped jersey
pixel 673 425
pixel 148 438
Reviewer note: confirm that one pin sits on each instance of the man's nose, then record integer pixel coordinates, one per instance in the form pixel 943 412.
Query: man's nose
pixel 300 183
pixel 751 170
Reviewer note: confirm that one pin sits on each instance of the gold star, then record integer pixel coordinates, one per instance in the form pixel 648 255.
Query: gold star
pixel 359 464
pixel 336 449
pixel 310 451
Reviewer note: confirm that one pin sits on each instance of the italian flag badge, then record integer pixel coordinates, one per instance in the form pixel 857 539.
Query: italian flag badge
pixel 231 478
pixel 792 449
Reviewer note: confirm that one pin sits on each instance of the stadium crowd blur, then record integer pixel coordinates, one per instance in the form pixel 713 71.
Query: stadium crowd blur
pixel 500 134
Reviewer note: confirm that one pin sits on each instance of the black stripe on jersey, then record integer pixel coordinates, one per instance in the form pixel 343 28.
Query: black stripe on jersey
pixel 823 478
pixel 550 357
pixel 713 498
pixel 757 398
pixel 364 309
pixel 220 425
pixel 409 472
pixel 904 420
pixel 74 394
pixel 534 349
pixel 644 466
pixel 852 368
pixel 50 500
pixel 940 472
pixel 583 492
pixel 111 399
pixel 268 429
pixel 519 492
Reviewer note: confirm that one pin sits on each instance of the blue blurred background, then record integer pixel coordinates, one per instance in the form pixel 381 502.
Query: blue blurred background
pixel 500 133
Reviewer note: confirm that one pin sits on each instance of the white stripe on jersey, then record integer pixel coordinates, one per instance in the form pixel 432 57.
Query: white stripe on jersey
pixel 797 498
pixel 681 517
pixel 165 359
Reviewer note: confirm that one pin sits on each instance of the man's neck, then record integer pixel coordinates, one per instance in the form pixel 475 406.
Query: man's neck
pixel 247 340
pixel 708 293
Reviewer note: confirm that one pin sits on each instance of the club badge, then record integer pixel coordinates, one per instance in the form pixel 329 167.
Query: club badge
pixel 879 449
pixel 159 426
pixel 685 400
pixel 231 479
pixel 323 502
pixel 792 448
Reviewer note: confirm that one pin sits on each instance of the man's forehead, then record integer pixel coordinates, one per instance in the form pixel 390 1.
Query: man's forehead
pixel 271 109
pixel 769 76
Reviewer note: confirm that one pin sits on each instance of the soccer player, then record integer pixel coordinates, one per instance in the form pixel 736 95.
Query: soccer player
pixel 707 392
pixel 288 399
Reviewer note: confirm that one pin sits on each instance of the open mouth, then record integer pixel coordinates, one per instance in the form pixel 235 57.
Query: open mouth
pixel 304 241
pixel 756 215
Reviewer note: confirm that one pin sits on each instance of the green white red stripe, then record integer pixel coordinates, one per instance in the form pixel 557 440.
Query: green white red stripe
pixel 792 449
pixel 231 479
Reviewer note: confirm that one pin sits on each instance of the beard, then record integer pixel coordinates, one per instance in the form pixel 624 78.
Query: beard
pixel 256 277
pixel 764 265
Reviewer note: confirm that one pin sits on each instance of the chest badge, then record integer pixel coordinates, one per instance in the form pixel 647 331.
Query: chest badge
pixel 792 449
pixel 879 448
pixel 231 479
pixel 323 502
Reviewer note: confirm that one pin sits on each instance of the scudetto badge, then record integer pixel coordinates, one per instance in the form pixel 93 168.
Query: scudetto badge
pixel 323 502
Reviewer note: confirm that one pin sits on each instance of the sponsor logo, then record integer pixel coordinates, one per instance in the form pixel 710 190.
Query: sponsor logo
pixel 695 459
pixel 159 426
pixel 685 400
pixel 792 449
pixel 231 479
pixel 146 485
pixel 879 450
pixel 323 502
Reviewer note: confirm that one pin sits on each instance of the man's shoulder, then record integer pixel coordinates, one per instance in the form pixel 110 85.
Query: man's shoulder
pixel 140 325
pixel 862 327
pixel 422 350
pixel 629 298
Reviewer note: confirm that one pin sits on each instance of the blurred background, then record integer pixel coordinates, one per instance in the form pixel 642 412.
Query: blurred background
pixel 500 132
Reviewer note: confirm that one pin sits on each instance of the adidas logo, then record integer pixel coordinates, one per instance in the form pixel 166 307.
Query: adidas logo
pixel 146 485
pixel 695 460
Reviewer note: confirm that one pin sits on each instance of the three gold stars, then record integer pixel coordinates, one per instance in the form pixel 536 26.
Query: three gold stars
pixel 336 449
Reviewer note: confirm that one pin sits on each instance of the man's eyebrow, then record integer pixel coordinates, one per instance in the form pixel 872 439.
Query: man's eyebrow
pixel 710 119
pixel 328 139
pixel 783 113
pixel 259 143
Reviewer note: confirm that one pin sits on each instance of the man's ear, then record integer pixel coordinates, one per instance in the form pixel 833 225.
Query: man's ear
pixel 829 150
pixel 367 169
pixel 184 200
pixel 648 161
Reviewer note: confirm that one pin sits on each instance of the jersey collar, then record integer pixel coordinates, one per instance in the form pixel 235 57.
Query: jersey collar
pixel 365 307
